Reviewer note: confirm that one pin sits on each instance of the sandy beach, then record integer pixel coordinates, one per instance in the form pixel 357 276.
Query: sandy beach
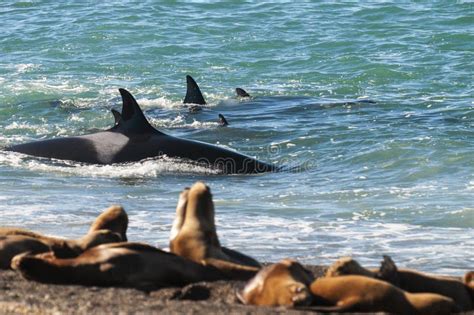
pixel 19 296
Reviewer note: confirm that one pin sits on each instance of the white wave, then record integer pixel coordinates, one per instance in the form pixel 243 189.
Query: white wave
pixel 180 122
pixel 149 168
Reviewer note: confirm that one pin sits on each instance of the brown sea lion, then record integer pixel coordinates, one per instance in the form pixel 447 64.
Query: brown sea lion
pixel 364 294
pixel 406 279
pixel 114 219
pixel 12 245
pixel 468 281
pixel 119 264
pixel 281 284
pixel 109 227
pixel 194 235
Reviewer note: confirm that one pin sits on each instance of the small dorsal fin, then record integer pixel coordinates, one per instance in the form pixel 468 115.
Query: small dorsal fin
pixel 241 92
pixel 133 119
pixel 193 93
pixel 222 121
pixel 117 116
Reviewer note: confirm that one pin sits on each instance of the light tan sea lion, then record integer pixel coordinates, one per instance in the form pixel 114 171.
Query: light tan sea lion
pixel 194 235
pixel 406 279
pixel 12 245
pixel 120 264
pixel 364 294
pixel 281 284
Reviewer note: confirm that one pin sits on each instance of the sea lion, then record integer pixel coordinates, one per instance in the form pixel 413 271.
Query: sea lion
pixel 109 227
pixel 194 235
pixel 281 284
pixel 406 279
pixel 363 294
pixel 468 281
pixel 119 264
pixel 114 219
pixel 14 244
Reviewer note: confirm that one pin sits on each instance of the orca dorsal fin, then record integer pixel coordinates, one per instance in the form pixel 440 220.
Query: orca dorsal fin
pixel 117 116
pixel 241 92
pixel 222 121
pixel 133 120
pixel 193 93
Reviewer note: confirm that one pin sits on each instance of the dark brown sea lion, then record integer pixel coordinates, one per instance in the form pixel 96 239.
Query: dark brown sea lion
pixel 364 294
pixel 194 235
pixel 468 281
pixel 281 284
pixel 120 264
pixel 12 245
pixel 406 279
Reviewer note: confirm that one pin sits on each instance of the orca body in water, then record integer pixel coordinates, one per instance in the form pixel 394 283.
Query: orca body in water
pixel 133 139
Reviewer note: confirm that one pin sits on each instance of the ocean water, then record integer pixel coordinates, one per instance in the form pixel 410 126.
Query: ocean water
pixel 393 177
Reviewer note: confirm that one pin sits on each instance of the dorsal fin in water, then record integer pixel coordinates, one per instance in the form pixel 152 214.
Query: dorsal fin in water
pixel 241 92
pixel 193 93
pixel 133 120
pixel 222 121
pixel 117 116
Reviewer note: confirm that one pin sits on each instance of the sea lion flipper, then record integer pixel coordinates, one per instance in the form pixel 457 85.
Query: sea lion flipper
pixel 193 93
pixel 241 92
pixel 231 270
pixel 388 271
pixel 242 258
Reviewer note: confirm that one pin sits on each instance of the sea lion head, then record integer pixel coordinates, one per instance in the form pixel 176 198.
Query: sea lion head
pixel 347 266
pixel 281 284
pixel 200 208
pixel 114 219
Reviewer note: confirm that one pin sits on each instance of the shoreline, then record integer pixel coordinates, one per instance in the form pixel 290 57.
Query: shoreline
pixel 20 296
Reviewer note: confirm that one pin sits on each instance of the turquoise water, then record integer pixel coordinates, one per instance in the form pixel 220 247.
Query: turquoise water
pixel 394 177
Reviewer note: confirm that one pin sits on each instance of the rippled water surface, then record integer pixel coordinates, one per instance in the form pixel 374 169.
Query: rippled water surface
pixel 392 177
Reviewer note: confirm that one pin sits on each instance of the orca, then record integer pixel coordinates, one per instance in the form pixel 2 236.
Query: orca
pixel 133 139
pixel 241 92
pixel 193 93
pixel 222 121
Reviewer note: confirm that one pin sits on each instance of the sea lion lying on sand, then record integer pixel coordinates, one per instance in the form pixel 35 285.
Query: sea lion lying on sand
pixel 281 284
pixel 120 264
pixel 363 294
pixel 287 283
pixel 468 280
pixel 109 227
pixel 194 235
pixel 12 245
pixel 406 279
